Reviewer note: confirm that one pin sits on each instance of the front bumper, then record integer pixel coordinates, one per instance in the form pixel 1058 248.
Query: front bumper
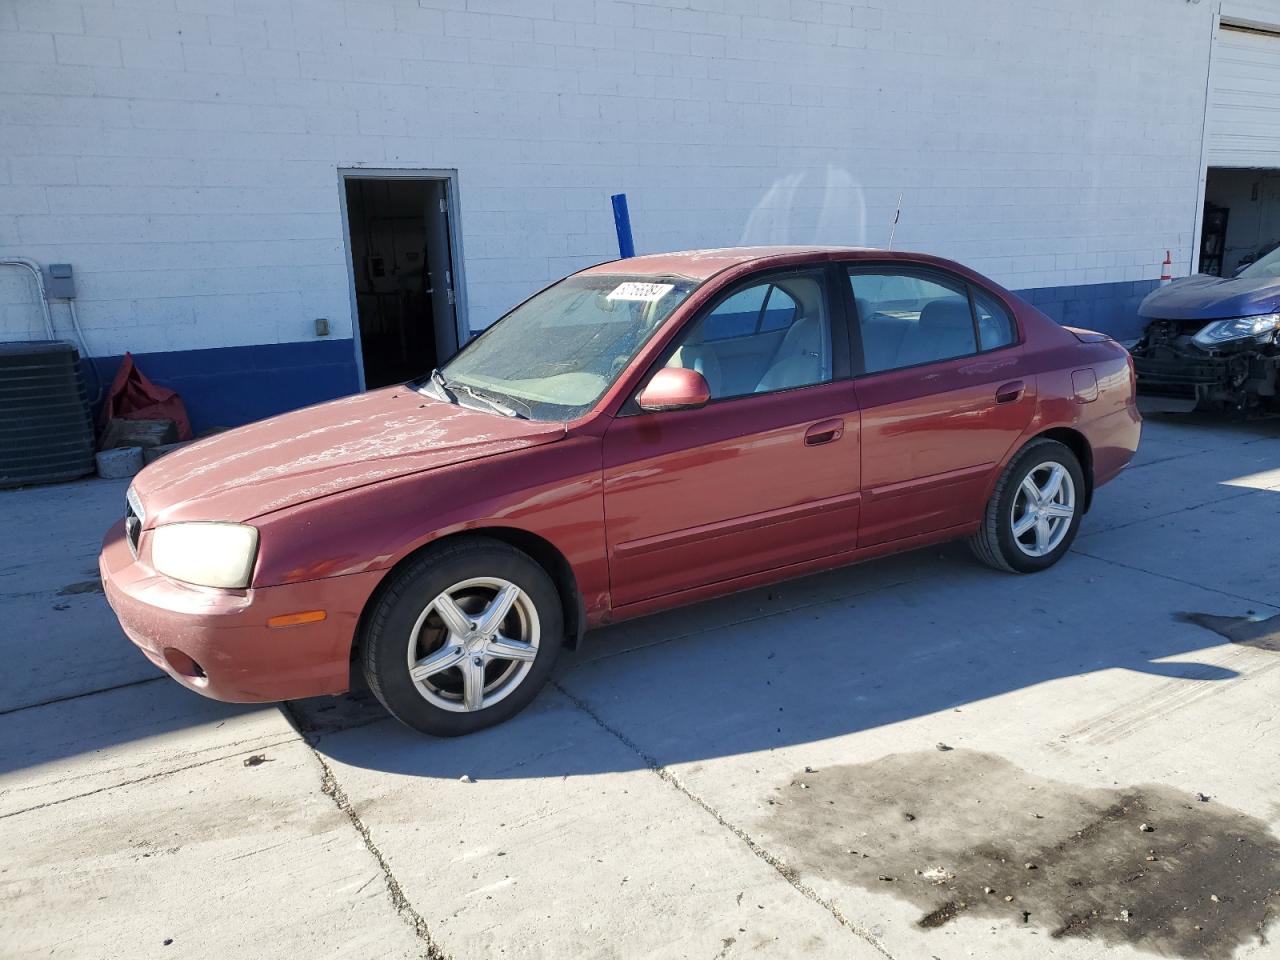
pixel 1171 374
pixel 217 642
pixel 1243 379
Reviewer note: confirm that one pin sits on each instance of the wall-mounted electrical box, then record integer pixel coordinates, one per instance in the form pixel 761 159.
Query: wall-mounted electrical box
pixel 60 284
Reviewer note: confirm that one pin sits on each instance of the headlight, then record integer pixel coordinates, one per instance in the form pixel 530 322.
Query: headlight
pixel 1220 331
pixel 207 554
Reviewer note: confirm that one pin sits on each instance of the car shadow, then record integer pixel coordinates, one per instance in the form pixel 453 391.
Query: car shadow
pixel 1196 426
pixel 821 657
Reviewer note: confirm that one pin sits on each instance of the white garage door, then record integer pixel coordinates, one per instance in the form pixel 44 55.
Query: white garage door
pixel 1243 124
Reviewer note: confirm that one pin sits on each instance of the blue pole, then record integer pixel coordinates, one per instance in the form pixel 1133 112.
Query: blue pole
pixel 622 221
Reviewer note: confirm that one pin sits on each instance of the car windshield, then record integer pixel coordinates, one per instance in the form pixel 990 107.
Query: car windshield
pixel 554 356
pixel 1268 266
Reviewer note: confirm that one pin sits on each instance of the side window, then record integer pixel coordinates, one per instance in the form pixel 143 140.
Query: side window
pixel 779 310
pixel 995 326
pixel 905 319
pixel 756 309
pixel 736 316
pixel 785 342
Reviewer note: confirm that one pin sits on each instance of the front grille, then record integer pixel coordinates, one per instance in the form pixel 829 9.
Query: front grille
pixel 1169 368
pixel 1185 391
pixel 133 517
pixel 1170 331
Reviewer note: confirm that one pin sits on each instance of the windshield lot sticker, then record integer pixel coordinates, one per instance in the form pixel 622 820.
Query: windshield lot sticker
pixel 643 292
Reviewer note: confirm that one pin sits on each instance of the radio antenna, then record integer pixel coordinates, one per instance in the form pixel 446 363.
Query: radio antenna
pixel 894 226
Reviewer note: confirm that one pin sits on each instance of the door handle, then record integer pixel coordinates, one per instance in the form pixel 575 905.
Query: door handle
pixel 1010 391
pixel 824 431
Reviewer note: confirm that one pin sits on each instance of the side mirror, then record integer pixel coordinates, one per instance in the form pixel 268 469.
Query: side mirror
pixel 675 388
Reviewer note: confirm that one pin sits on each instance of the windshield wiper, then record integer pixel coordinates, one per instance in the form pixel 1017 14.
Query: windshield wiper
pixel 450 391
pixel 496 405
pixel 438 379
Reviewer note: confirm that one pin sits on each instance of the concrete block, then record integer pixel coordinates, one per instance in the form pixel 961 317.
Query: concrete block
pixel 26 48
pixel 90 51
pixel 46 171
pixel 122 433
pixel 152 454
pixel 50 16
pixel 143 53
pixel 119 463
pixel 113 21
pixel 23 199
pixel 211 59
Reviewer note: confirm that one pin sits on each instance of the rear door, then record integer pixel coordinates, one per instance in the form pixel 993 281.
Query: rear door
pixel 766 474
pixel 944 393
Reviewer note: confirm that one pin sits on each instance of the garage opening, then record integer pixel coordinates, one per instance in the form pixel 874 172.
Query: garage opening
pixel 1241 219
pixel 402 269
pixel 1242 126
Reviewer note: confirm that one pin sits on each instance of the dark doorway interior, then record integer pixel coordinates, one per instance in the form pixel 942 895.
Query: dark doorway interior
pixel 1241 218
pixel 403 276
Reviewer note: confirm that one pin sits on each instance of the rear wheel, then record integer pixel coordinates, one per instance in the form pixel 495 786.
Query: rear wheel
pixel 1035 510
pixel 462 638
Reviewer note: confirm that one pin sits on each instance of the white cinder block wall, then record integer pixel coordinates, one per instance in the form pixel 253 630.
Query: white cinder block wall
pixel 183 154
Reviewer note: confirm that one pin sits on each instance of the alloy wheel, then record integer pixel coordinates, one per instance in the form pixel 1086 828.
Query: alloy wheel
pixel 473 644
pixel 1043 509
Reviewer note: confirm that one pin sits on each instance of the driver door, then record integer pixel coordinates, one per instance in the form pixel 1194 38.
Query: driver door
pixel 765 475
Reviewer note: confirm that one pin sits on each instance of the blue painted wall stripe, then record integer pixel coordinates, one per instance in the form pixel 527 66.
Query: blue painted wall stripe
pixel 1110 308
pixel 230 386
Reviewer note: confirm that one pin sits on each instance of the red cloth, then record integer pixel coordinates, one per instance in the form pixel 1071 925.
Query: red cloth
pixel 133 397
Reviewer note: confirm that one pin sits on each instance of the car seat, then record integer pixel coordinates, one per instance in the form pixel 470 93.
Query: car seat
pixel 799 359
pixel 945 329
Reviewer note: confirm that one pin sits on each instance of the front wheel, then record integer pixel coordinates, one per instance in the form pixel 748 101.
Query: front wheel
pixel 462 638
pixel 1035 510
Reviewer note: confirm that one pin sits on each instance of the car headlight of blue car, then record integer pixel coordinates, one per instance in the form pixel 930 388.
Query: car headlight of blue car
pixel 1260 328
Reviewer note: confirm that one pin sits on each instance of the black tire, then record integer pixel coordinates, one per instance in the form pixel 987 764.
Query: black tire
pixel 994 542
pixel 384 639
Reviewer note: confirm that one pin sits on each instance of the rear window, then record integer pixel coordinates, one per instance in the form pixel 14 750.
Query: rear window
pixel 995 326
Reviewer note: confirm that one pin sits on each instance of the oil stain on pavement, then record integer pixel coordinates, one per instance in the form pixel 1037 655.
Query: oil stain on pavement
pixel 958 832
pixel 1260 633
pixel 81 586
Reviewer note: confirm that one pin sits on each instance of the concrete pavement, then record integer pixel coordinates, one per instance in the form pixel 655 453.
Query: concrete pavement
pixel 839 766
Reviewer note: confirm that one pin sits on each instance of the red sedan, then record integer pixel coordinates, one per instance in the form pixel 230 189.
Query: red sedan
pixel 644 433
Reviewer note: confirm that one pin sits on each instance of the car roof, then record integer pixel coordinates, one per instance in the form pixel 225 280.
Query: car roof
pixel 701 264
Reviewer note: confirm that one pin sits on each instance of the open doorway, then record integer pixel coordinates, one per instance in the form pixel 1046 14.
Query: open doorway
pixel 402 269
pixel 1241 218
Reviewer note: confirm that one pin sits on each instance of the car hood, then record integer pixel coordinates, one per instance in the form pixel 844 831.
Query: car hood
pixel 1203 297
pixel 322 450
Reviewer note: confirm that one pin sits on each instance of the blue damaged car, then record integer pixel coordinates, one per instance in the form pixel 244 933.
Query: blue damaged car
pixel 1213 340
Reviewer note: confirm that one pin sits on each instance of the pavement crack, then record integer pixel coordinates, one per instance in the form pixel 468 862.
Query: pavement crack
pixel 332 789
pixel 1173 513
pixel 151 776
pixel 77 696
pixel 102 772
pixel 1165 576
pixel 787 873
pixel 260 850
